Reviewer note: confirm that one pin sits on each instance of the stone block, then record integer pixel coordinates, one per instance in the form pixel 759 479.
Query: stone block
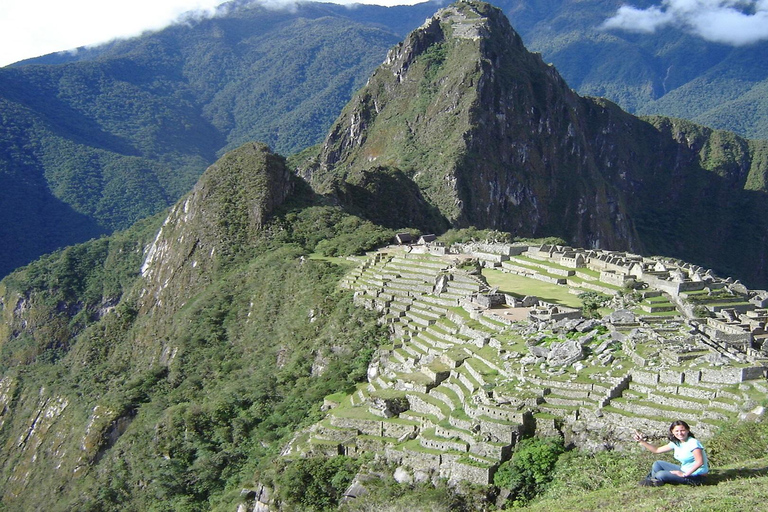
pixel 491 450
pixel 470 473
pixel 397 430
pixel 642 377
pixel 692 376
pixel 502 432
pixel 444 445
pixel 467 424
pixel 420 460
pixel 671 377
pixel 754 373
pixel 722 376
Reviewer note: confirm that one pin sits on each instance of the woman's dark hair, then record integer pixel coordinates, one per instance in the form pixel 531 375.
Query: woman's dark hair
pixel 678 423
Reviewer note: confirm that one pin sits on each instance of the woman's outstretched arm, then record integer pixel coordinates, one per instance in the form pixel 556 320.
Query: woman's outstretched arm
pixel 651 448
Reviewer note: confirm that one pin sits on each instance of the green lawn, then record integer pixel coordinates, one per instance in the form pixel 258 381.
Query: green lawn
pixel 341 261
pixel 522 286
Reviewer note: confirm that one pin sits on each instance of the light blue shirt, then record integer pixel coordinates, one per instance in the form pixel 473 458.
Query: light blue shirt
pixel 683 452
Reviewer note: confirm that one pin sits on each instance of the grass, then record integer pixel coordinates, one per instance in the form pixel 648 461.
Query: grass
pixel 736 487
pixel 542 264
pixel 337 397
pixel 387 393
pixel 522 286
pixel 340 261
pixel 358 413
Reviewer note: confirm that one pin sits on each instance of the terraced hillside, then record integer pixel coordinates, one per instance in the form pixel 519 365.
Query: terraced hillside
pixel 472 368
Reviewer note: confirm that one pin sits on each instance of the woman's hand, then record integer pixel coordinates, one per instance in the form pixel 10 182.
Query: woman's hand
pixel 679 473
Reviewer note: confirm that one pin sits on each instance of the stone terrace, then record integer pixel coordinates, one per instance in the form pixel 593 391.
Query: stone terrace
pixel 458 386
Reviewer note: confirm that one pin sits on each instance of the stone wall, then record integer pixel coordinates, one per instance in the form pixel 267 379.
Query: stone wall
pixel 444 445
pixel 370 427
pixel 504 433
pixel 423 461
pixel 467 424
pixel 464 435
pixel 497 413
pixel 498 451
pixel 418 404
pixel 732 375
pixel 501 249
pixel 718 376
pixel 397 430
pixel 470 473
pixel 614 278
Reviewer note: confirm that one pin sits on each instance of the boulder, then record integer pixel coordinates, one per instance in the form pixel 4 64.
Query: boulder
pixel 539 351
pixel 565 353
pixel 621 316
pixel 402 476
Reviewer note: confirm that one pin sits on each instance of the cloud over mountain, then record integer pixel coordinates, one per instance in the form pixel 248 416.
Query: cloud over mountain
pixel 732 22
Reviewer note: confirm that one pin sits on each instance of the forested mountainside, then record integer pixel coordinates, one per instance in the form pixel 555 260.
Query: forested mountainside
pixel 163 367
pixel 718 80
pixel 493 137
pixel 89 146
pixel 94 140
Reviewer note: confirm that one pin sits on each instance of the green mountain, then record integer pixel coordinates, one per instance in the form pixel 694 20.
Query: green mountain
pixel 166 366
pixel 179 353
pixel 493 137
pixel 669 71
pixel 100 140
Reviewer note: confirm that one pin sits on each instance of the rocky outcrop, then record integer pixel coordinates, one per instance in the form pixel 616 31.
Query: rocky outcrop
pixel 219 217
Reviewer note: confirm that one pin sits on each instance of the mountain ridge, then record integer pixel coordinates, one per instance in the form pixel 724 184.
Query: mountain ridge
pixel 167 365
pixel 124 135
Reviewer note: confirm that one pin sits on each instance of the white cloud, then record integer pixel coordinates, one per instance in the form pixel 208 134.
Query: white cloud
pixel 638 20
pixel 733 22
pixel 30 28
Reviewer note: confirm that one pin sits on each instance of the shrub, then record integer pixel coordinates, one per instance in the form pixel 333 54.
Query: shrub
pixel 529 470
pixel 316 483
pixel 701 311
pixel 591 302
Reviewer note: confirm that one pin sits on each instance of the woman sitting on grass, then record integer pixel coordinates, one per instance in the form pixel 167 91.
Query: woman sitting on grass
pixel 687 449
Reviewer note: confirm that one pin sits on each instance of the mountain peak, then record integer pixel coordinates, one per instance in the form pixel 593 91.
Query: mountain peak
pixel 220 217
pixel 459 99
pixel 493 137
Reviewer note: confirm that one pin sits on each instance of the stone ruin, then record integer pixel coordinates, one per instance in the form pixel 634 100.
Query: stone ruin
pixel 471 369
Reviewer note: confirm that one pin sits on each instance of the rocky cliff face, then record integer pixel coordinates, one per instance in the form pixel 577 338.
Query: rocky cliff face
pixel 493 137
pixel 219 218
